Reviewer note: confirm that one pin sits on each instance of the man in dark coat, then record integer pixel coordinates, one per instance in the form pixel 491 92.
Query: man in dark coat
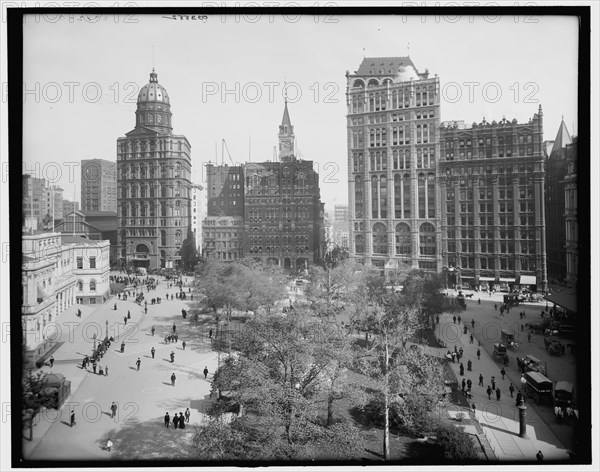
pixel 173 379
pixel 167 419
pixel 205 371
pixel 181 421
pixel 152 351
pixel 175 420
pixel 72 418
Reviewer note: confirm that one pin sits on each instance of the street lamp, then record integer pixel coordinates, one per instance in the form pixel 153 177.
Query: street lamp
pixel 106 329
pixel 94 338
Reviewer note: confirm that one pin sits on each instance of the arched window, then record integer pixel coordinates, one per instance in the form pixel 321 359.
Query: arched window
pixel 163 238
pixel 80 286
pixel 403 240
pixel 359 244
pixel 92 285
pixel 427 240
pixel 177 238
pixel 430 196
pixel 178 170
pixel 380 243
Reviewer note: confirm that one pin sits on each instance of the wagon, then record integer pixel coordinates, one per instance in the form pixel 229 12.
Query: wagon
pixel 500 351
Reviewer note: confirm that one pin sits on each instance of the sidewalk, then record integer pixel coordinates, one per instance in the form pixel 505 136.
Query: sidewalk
pixel 500 419
pixel 142 396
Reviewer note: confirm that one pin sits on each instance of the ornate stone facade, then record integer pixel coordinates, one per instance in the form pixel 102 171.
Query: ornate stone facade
pixel 153 185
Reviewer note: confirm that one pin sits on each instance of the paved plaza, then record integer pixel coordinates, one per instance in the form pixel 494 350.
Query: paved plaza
pixel 143 396
pixel 499 419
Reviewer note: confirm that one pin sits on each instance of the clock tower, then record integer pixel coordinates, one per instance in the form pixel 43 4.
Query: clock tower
pixel 286 137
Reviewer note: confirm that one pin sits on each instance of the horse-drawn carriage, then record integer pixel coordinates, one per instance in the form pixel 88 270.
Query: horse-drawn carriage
pixel 556 348
pixel 530 363
pixel 508 339
pixel 500 352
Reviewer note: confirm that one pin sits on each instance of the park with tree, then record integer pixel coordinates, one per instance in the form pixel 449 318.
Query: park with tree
pixel 316 380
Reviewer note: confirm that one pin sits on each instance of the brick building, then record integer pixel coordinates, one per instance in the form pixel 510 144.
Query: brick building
pixel 491 185
pixel 98 185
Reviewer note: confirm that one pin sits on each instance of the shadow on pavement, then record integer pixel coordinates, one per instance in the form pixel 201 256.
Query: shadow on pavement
pixel 149 440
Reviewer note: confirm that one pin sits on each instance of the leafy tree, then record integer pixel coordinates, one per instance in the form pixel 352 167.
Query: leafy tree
pixel 286 369
pixel 189 254
pixel 455 443
pixel 405 378
pixel 333 282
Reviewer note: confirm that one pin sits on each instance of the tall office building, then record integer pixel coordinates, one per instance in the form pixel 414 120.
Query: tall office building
pixel 491 184
pixel 393 148
pixel 269 211
pixel 572 243
pixel 153 184
pixel 98 185
pixel 556 170
pixel 197 214
pixel 340 226
pixel 223 227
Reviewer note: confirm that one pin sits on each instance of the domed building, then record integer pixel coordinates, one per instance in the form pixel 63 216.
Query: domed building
pixel 153 184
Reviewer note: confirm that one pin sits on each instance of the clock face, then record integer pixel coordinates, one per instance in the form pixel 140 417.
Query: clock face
pixel 285 146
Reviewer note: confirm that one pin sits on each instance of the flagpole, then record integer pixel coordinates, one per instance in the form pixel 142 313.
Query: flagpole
pixel 74 193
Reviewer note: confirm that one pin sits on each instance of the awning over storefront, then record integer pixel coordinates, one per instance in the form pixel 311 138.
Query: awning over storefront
pixel 566 299
pixel 503 279
pixel 527 280
pixel 486 279
pixel 467 277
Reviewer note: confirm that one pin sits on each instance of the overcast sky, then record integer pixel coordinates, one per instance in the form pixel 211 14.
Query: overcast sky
pixel 83 76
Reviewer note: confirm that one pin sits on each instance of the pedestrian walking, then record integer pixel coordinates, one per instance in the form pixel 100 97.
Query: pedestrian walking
pixel 503 372
pixel 125 320
pixel 51 360
pixel 94 366
pixel 109 445
pixel 493 383
pixel 106 371
pixel 72 418
pixel 489 392
pixel 187 415
pixel 183 345
pixel 152 351
pixel 519 399
pixel 173 378
pixel 460 353
pixel 167 419
pixel 480 380
pixel 459 319
pixel 174 327
pixel 137 363
pixel 175 420
pixel 172 357
pixel 473 407
pixel 462 369
pixel 454 355
pixel 469 365
pixel 478 354
pixel 473 324
pixel 539 456
pixel 205 371
pixel 113 410
pixel 115 307
pixel 498 394
pixel 464 384
pixel 454 319
pixel 511 389
pixel 471 338
pixel 469 384
pixel 181 421
pixel 128 314
pixel 479 301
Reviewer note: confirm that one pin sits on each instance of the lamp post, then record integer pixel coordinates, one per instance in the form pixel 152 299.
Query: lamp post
pixel 522 421
pixel 106 329
pixel 94 338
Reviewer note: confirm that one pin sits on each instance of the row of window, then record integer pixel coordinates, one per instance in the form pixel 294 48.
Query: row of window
pixel 149 209
pixel 501 205
pixel 132 145
pixel 401 207
pixel 402 239
pixel 496 141
pixel 395 99
pixel 494 263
